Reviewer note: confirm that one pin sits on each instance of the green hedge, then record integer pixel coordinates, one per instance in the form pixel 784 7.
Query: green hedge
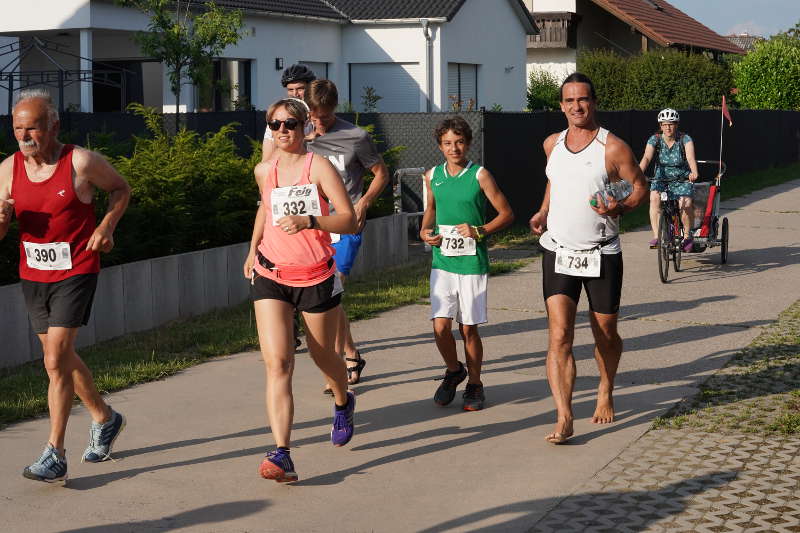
pixel 769 76
pixel 654 80
pixel 190 192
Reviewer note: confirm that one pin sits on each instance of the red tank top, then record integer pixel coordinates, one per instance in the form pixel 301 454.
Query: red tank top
pixel 49 212
pixel 302 259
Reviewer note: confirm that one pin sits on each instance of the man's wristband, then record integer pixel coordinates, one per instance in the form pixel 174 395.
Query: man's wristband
pixel 479 234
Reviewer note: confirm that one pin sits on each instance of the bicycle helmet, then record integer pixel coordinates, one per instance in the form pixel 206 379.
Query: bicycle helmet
pixel 668 115
pixel 297 73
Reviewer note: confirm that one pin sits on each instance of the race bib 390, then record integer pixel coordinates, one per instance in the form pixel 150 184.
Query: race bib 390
pixel 48 256
pixel 453 244
pixel 295 200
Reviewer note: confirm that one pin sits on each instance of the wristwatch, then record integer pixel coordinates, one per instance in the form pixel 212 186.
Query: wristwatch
pixel 479 233
pixel 312 221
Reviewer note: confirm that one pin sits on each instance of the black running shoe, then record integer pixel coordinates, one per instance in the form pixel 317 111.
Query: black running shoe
pixel 447 390
pixel 473 397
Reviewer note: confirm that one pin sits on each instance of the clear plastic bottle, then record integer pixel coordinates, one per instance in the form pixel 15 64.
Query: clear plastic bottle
pixel 619 190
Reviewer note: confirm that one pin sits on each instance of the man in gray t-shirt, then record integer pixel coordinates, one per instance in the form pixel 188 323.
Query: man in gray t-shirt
pixel 352 152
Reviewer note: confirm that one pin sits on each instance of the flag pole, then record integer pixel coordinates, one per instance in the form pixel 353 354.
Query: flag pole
pixel 721 129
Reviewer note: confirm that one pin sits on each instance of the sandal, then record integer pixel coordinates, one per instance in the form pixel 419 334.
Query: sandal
pixel 360 364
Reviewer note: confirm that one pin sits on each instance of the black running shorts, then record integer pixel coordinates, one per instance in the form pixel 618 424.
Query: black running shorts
pixel 314 299
pixel 603 292
pixel 62 304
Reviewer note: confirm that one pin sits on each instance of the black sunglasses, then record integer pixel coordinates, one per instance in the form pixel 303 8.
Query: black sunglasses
pixel 291 123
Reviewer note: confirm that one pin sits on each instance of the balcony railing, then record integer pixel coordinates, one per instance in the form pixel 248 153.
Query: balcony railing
pixel 556 30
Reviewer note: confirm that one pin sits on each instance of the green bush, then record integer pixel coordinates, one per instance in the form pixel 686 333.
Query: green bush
pixel 769 76
pixel 190 192
pixel 608 71
pixel 656 79
pixel 543 89
pixel 669 78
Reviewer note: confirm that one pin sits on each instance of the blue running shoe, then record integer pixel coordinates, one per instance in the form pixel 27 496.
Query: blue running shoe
pixel 102 437
pixel 50 467
pixel 343 426
pixel 278 465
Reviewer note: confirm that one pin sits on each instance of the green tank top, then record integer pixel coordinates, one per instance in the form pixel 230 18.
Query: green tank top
pixel 459 200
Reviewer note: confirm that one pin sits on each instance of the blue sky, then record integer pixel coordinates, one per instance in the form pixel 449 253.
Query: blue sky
pixel 756 17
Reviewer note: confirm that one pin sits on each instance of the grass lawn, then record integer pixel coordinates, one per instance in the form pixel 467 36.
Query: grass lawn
pixel 161 352
pixel 758 391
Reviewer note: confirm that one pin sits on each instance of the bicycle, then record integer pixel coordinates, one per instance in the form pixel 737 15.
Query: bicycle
pixel 670 236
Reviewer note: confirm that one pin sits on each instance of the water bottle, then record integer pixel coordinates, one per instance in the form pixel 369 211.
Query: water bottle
pixel 619 190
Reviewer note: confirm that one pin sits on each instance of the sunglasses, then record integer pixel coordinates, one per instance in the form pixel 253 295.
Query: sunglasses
pixel 291 123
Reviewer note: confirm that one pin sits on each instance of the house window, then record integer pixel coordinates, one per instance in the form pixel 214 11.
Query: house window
pixel 319 69
pixel 228 88
pixel 462 86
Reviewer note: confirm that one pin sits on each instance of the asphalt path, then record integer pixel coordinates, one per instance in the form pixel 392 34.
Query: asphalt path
pixel 189 456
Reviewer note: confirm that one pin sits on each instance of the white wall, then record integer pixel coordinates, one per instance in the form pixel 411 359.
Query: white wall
pixel 491 35
pixel 294 41
pixel 551 5
pixel 561 62
pixel 383 44
pixel 43 15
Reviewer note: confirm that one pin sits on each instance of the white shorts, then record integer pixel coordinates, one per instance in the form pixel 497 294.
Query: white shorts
pixel 459 296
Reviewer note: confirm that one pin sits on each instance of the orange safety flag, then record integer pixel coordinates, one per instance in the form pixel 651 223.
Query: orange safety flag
pixel 725 112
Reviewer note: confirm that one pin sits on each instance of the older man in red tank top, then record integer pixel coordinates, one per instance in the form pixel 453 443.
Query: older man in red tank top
pixel 50 187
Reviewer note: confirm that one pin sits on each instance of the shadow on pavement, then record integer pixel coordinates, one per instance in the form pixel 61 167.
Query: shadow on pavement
pixel 740 263
pixel 210 514
pixel 606 511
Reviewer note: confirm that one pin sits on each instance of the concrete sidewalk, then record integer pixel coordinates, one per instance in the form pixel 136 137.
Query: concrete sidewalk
pixel 188 459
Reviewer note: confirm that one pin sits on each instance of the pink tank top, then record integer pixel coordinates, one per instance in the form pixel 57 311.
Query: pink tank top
pixel 300 260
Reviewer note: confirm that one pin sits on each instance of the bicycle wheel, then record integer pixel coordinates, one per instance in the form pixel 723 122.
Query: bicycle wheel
pixel 664 245
pixel 723 257
pixel 678 246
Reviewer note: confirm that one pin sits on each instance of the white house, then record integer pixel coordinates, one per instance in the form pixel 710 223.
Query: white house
pixel 624 26
pixel 418 55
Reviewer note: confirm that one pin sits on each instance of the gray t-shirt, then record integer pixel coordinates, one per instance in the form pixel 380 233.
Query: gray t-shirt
pixel 351 151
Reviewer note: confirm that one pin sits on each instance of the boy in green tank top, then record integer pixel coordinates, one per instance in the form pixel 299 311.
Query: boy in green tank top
pixel 455 226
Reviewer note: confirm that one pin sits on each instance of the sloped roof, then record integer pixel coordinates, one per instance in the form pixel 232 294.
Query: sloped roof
pixel 745 41
pixel 301 8
pixel 365 10
pixel 667 25
pixel 397 9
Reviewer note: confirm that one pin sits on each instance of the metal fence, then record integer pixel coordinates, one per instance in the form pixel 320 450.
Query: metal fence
pixel 145 294
pixel 508 144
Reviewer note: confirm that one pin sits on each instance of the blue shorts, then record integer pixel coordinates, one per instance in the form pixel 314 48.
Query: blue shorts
pixel 675 189
pixel 346 252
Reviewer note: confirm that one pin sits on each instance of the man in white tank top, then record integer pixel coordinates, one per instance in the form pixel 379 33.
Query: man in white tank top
pixel 579 230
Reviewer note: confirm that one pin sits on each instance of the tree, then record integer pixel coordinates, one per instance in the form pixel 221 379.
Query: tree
pixel 769 76
pixel 186 39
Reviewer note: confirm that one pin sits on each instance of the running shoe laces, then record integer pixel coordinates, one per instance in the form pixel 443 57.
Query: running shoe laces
pixel 343 425
pixel 102 437
pixel 49 467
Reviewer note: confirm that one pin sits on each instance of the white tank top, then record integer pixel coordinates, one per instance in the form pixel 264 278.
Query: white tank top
pixel 574 178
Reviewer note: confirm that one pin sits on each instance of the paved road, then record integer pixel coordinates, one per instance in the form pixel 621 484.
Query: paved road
pixel 189 456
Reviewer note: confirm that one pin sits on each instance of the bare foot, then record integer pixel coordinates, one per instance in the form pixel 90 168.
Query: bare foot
pixel 604 413
pixel 563 431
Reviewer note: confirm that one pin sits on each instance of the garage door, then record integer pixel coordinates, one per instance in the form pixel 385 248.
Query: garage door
pixel 397 84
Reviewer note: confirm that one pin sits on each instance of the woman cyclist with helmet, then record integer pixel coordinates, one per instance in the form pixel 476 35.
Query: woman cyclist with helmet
pixel 675 171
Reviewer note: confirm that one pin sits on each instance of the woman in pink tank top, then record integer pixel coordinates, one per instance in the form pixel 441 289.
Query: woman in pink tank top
pixel 291 267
